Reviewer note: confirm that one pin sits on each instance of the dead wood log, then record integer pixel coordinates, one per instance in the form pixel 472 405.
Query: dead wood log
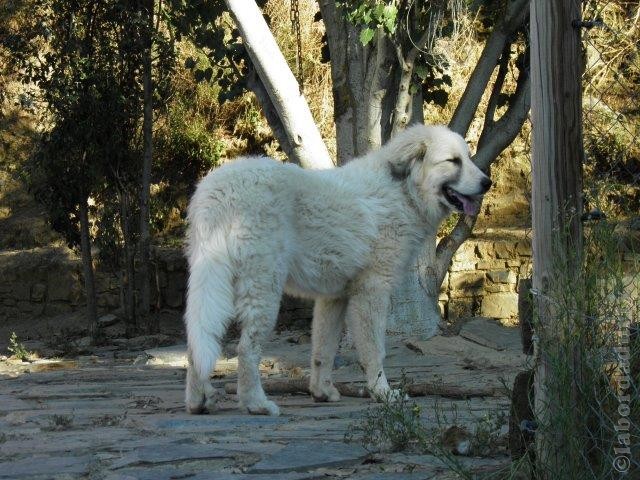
pixel 292 386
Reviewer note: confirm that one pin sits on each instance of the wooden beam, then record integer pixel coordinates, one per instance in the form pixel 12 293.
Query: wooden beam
pixel 556 111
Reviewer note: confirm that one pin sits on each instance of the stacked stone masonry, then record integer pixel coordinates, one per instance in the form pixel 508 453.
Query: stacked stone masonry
pixel 482 280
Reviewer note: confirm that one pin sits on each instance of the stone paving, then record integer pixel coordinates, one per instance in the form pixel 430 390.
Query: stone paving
pixel 104 417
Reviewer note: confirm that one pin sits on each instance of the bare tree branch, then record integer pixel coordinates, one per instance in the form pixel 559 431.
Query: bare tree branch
pixel 492 142
pixel 255 85
pixel 403 107
pixel 517 13
pixel 489 117
pixel 504 131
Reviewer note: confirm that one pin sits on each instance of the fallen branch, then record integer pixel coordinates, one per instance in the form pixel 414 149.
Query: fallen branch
pixel 292 386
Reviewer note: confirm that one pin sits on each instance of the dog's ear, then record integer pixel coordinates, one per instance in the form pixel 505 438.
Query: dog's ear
pixel 405 157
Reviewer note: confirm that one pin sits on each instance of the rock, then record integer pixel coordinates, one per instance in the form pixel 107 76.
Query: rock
pixel 82 342
pixel 500 305
pixel 462 266
pixel 504 249
pixel 298 456
pixel 485 250
pixel 502 276
pixel 143 342
pixel 465 254
pixel 38 291
pixel 498 287
pixel 490 264
pixel 42 465
pixel 21 291
pixel 524 248
pixel 461 307
pixel 60 286
pixel 141 359
pixel 175 356
pixel 466 284
pixel 491 334
pixel 107 320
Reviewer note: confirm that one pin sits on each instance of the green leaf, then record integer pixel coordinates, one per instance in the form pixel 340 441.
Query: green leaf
pixel 190 63
pixel 366 35
pixel 379 12
pixel 390 15
pixel 421 72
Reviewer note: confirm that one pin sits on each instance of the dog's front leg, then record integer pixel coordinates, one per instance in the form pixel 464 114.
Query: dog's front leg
pixel 366 319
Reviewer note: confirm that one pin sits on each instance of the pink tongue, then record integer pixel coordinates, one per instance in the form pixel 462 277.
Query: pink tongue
pixel 470 206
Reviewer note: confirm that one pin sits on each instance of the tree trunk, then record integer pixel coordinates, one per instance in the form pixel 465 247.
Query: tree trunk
pixel 282 87
pixel 556 70
pixel 150 322
pixel 128 269
pixel 372 100
pixel 87 270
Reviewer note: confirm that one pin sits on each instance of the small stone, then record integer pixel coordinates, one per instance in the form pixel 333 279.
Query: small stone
pixel 465 254
pixel 305 456
pixel 460 308
pixel 38 291
pixel 491 334
pixel 498 287
pixel 108 320
pixel 500 305
pixel 141 359
pixel 524 248
pixel 490 264
pixel 504 249
pixel 303 339
pixel 502 276
pixel 466 284
pixel 82 342
pixel 462 266
pixel 485 250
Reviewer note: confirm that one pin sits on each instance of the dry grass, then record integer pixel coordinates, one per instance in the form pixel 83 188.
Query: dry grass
pixel 317 75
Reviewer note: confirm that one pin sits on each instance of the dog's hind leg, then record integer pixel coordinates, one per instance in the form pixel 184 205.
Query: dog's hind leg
pixel 209 310
pixel 328 326
pixel 258 293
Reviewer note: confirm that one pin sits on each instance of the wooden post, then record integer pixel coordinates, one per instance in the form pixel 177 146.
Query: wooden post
pixel 556 100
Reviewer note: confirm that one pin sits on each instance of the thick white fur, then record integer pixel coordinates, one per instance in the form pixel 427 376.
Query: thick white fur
pixel 343 237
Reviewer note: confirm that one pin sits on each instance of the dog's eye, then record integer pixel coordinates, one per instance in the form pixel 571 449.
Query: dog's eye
pixel 456 160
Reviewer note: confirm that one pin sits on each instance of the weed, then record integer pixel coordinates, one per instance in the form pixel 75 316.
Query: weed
pixel 108 420
pixel 17 349
pixel 59 422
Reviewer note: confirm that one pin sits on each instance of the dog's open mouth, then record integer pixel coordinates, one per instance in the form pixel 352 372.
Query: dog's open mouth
pixel 463 203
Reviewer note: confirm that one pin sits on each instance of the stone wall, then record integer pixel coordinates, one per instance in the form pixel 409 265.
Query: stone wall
pixel 45 282
pixel 484 274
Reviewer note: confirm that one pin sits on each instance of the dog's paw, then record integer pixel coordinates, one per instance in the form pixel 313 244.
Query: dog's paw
pixel 325 393
pixel 202 399
pixel 263 407
pixel 202 404
pixel 389 395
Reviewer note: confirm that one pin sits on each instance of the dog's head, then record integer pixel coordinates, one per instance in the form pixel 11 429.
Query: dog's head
pixel 436 160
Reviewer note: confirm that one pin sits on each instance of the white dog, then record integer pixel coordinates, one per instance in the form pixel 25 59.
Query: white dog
pixel 344 237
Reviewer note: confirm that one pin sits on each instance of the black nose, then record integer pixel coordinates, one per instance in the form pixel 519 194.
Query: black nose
pixel 486 184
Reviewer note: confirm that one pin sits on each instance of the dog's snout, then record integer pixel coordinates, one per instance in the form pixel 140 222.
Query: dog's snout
pixel 486 184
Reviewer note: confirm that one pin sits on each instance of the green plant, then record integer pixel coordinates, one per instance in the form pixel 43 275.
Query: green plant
pixel 395 425
pixel 591 389
pixel 59 422
pixel 17 349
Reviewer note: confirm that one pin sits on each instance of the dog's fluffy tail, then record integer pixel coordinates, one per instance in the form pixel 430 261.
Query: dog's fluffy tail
pixel 209 298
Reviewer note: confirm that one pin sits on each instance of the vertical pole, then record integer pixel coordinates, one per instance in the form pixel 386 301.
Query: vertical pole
pixel 556 110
